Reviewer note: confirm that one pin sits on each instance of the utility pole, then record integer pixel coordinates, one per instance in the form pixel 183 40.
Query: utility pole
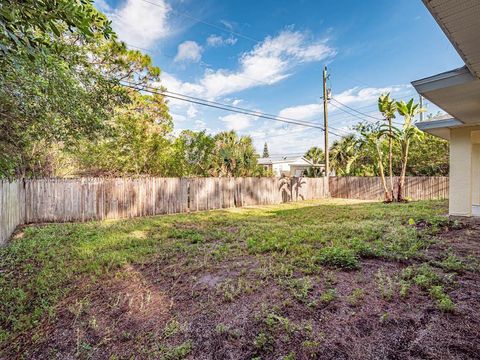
pixel 421 106
pixel 325 128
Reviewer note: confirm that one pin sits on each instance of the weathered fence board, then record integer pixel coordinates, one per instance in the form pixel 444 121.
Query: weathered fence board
pixel 62 200
pixel 308 188
pixel 12 208
pixel 370 188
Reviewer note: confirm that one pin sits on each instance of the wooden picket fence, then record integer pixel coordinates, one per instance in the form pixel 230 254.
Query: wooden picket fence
pixel 370 188
pixel 12 207
pixel 83 199
pixel 63 200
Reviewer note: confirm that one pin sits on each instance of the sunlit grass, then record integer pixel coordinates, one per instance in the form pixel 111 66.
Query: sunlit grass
pixel 40 268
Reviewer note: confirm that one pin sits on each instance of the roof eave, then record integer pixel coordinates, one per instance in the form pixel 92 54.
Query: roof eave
pixel 450 37
pixel 447 79
pixel 437 124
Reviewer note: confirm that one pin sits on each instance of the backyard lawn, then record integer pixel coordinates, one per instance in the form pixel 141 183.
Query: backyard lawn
pixel 330 279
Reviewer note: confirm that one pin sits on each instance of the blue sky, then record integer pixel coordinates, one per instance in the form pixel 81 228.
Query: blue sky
pixel 268 55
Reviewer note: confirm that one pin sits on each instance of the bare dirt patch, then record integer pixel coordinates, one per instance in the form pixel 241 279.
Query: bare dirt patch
pixel 206 294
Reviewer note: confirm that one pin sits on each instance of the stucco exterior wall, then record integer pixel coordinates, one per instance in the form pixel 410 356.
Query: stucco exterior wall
pixel 460 194
pixel 476 174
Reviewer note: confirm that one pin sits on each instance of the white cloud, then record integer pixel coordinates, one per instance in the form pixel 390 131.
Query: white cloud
pixel 189 51
pixel 200 125
pixel 178 118
pixel 237 121
pixel 364 96
pixel 267 63
pixel 140 23
pixel 176 85
pixel 370 94
pixel 216 40
pixel 285 139
pixel 302 112
pixel 192 111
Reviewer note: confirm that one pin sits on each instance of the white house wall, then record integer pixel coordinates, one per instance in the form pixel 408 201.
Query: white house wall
pixel 461 174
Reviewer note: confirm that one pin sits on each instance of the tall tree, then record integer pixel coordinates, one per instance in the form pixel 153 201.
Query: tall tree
pixel 69 91
pixel 429 156
pixel 388 108
pixel 373 136
pixel 50 100
pixel 51 94
pixel 33 27
pixel 266 154
pixel 234 156
pixel 344 153
pixel 405 135
pixel 194 152
pixel 136 142
pixel 315 155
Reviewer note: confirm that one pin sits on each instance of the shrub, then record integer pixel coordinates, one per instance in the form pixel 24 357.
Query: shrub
pixel 338 257
pixel 328 296
pixel 444 302
pixel 451 263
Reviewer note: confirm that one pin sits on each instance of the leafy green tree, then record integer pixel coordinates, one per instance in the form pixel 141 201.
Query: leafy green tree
pixel 51 92
pixel 234 156
pixel 64 99
pixel 33 27
pixel 388 107
pixel 405 135
pixel 313 172
pixel 428 157
pixel 194 153
pixel 136 142
pixel 344 154
pixel 50 100
pixel 315 155
pixel 373 137
pixel 266 154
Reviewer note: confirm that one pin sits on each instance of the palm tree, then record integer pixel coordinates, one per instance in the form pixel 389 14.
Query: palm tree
pixel 233 155
pixel 387 106
pixel 315 155
pixel 343 154
pixel 373 137
pixel 405 135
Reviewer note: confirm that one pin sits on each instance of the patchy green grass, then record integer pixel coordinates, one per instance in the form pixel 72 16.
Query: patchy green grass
pixel 297 246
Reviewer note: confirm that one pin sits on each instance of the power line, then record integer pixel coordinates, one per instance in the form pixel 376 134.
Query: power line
pixel 363 119
pixel 243 109
pixel 361 113
pixel 230 108
pixel 252 112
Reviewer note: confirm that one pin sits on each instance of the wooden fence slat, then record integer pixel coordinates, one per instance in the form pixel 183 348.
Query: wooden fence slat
pixel 370 188
pixel 60 200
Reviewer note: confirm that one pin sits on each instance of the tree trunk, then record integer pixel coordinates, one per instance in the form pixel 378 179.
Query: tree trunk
pixel 390 159
pixel 401 183
pixel 382 174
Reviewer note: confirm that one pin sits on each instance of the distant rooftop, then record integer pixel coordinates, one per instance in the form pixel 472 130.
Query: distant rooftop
pixel 290 159
pixel 279 158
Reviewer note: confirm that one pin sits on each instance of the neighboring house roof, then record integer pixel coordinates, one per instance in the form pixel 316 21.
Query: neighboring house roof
pixel 456 91
pixel 286 159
